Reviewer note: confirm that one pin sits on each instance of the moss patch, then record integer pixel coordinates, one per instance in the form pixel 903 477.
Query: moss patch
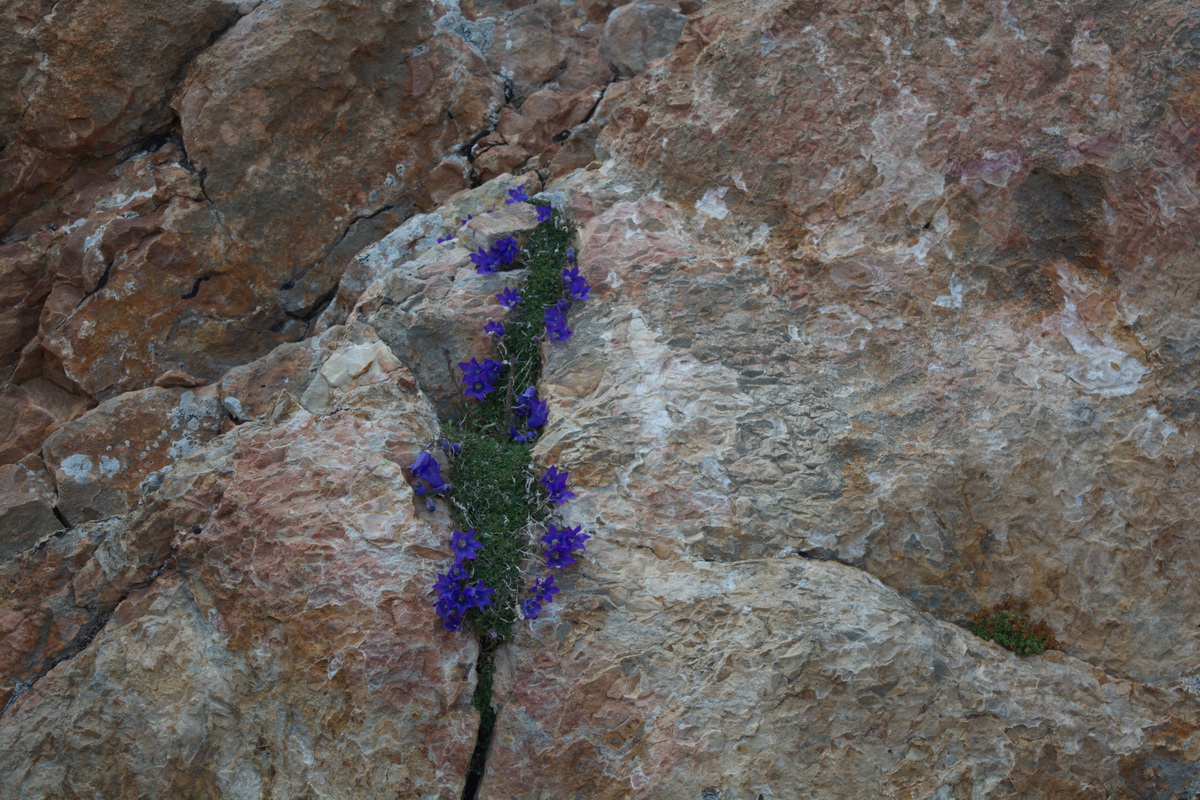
pixel 1008 625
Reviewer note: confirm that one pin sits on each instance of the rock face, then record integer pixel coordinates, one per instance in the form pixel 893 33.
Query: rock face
pixel 288 641
pixel 914 329
pixel 893 317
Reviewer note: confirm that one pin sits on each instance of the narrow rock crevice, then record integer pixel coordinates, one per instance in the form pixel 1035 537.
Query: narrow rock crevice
pixel 485 672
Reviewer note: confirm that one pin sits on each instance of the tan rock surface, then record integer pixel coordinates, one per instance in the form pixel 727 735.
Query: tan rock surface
pixel 287 645
pixel 794 678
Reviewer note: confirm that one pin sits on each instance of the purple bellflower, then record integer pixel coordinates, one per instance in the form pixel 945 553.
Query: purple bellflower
pixel 530 607
pixel 525 401
pixel 517 196
pixel 428 471
pixel 464 545
pixel 579 289
pixel 538 414
pixel 480 378
pixel 485 263
pixel 517 436
pixel 556 485
pixel 494 328
pixel 545 213
pixel 556 322
pixel 508 298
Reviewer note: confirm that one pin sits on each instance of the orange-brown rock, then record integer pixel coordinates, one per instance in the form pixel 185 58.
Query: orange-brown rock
pixel 104 461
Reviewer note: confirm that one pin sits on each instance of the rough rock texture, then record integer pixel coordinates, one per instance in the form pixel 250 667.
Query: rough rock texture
pixel 86 79
pixel 894 316
pixel 102 461
pixel 287 645
pixel 884 285
pixel 638 33
pixel 26 507
pixel 793 678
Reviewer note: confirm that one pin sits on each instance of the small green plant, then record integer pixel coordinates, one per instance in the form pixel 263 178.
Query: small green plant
pixel 1008 625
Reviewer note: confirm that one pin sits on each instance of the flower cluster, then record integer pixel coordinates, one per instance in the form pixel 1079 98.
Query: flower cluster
pixel 456 592
pixel 556 321
pixel 480 378
pixel 428 480
pixel 500 254
pixel 536 413
pixel 555 483
pixel 460 588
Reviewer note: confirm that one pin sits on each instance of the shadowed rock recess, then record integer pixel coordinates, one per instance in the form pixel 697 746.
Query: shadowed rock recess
pixel 895 316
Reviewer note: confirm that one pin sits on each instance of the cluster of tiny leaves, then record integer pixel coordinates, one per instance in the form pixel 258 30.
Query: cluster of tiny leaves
pixel 1009 626
pixel 494 490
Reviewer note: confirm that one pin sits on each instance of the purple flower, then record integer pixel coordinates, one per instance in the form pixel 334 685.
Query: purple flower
pixel 531 608
pixel 494 328
pixel 525 401
pixel 464 545
pixel 517 196
pixel 559 558
pixel 544 589
pixel 571 255
pixel 479 595
pixel 427 469
pixel 445 584
pixel 446 238
pixel 545 213
pixel 579 289
pixel 570 274
pixel 566 539
pixel 556 322
pixel 517 436
pixel 465 221
pixel 450 448
pixel 480 378
pixel 505 251
pixel 508 298
pixel 485 263
pixel 538 414
pixel 556 485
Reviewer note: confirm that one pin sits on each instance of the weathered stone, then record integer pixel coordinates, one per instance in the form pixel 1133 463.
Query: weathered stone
pixel 29 412
pixel 86 80
pixel 638 33
pixel 385 86
pixel 289 645
pixel 256 389
pixel 26 509
pixel 531 48
pixel 107 459
pixel 793 678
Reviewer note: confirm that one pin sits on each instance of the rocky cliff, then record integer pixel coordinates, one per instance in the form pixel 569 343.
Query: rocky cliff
pixel 894 316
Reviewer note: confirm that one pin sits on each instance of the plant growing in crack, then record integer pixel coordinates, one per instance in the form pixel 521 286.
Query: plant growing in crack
pixel 494 499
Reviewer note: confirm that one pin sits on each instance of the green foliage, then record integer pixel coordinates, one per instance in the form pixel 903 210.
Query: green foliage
pixel 494 491
pixel 495 494
pixel 1009 626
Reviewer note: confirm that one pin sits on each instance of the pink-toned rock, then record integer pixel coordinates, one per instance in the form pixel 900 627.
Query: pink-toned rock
pixel 638 33
pixel 290 643
pixel 280 377
pixel 87 80
pixel 107 459
pixel 26 508
pixel 531 48
pixel 794 678
pixel 496 161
